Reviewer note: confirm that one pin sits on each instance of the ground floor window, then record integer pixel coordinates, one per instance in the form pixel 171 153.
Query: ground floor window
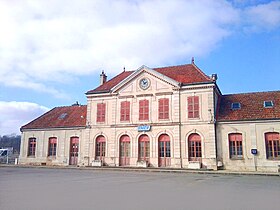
pixel 100 150
pixel 235 146
pixel 124 150
pixel 52 146
pixel 194 141
pixel 164 151
pixel 31 146
pixel 272 144
pixel 144 148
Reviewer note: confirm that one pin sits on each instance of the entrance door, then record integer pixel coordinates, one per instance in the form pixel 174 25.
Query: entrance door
pixel 144 148
pixel 100 148
pixel 74 150
pixel 164 151
pixel 124 150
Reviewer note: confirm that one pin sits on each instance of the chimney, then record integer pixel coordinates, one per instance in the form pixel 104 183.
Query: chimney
pixel 103 78
pixel 214 77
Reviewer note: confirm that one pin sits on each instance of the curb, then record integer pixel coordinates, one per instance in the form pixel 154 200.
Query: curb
pixel 152 170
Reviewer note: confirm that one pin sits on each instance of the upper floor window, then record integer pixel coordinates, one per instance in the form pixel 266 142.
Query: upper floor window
pixel 52 146
pixel 235 146
pixel 101 111
pixel 193 107
pixel 163 109
pixel 125 111
pixel 31 146
pixel 235 106
pixel 272 144
pixel 268 104
pixel 144 109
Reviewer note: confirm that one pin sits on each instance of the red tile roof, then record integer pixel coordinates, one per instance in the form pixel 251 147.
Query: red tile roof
pixel 252 106
pixel 60 117
pixel 185 74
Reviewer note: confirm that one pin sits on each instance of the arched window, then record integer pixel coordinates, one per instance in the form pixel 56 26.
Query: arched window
pixel 164 151
pixel 194 141
pixel 124 150
pixel 31 146
pixel 100 150
pixel 272 144
pixel 52 146
pixel 144 148
pixel 235 146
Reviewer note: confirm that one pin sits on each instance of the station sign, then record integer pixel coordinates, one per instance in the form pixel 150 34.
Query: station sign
pixel 144 128
pixel 254 151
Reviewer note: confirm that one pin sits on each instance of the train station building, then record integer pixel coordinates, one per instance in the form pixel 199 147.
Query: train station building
pixel 171 117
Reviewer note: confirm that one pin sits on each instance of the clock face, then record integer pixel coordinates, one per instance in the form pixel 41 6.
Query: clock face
pixel 144 83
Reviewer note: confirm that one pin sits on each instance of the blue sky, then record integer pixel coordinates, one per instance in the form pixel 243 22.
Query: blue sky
pixel 52 52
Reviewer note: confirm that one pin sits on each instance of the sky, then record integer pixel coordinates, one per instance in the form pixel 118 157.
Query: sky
pixel 52 52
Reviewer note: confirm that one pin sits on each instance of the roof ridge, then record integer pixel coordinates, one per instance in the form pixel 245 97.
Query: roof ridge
pixel 270 91
pixel 203 74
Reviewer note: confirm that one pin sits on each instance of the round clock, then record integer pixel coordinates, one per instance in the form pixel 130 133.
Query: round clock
pixel 144 83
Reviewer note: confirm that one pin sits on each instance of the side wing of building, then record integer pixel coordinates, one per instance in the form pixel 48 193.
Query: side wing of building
pixel 248 131
pixel 55 138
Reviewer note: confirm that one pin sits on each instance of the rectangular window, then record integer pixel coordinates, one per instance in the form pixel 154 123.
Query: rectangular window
pixel 52 146
pixel 193 107
pixel 125 111
pixel 235 146
pixel 163 109
pixel 31 146
pixel 101 110
pixel 144 109
pixel 272 143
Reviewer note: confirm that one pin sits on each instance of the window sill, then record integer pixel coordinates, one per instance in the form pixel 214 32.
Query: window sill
pixel 274 159
pixel 236 158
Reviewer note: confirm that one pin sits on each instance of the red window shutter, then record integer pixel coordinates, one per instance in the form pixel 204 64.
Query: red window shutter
pixel 193 107
pixel 144 110
pixel 125 111
pixel 100 117
pixel 163 108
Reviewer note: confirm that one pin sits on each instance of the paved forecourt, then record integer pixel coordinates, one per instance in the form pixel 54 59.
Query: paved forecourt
pixel 44 188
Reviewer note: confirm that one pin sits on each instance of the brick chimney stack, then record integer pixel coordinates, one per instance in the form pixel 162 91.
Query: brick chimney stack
pixel 103 78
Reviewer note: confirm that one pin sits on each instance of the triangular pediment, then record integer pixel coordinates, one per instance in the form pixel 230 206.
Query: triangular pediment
pixel 159 80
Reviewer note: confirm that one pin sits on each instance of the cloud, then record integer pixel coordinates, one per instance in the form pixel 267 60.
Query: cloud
pixel 263 16
pixel 55 41
pixel 16 114
pixel 45 43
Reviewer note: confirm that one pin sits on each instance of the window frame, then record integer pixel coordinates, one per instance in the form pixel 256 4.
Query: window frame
pixel 235 105
pixel 101 112
pixel 235 141
pixel 52 147
pixel 271 153
pixel 194 147
pixel 144 110
pixel 163 109
pixel 125 111
pixel 193 107
pixel 268 104
pixel 32 147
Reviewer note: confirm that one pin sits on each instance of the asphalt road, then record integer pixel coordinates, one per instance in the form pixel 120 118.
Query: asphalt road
pixel 39 188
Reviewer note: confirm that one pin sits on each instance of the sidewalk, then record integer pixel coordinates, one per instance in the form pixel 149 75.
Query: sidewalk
pixel 159 170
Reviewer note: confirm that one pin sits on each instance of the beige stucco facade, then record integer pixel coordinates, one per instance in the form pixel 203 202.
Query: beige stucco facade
pixel 253 134
pixel 178 127
pixel 41 151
